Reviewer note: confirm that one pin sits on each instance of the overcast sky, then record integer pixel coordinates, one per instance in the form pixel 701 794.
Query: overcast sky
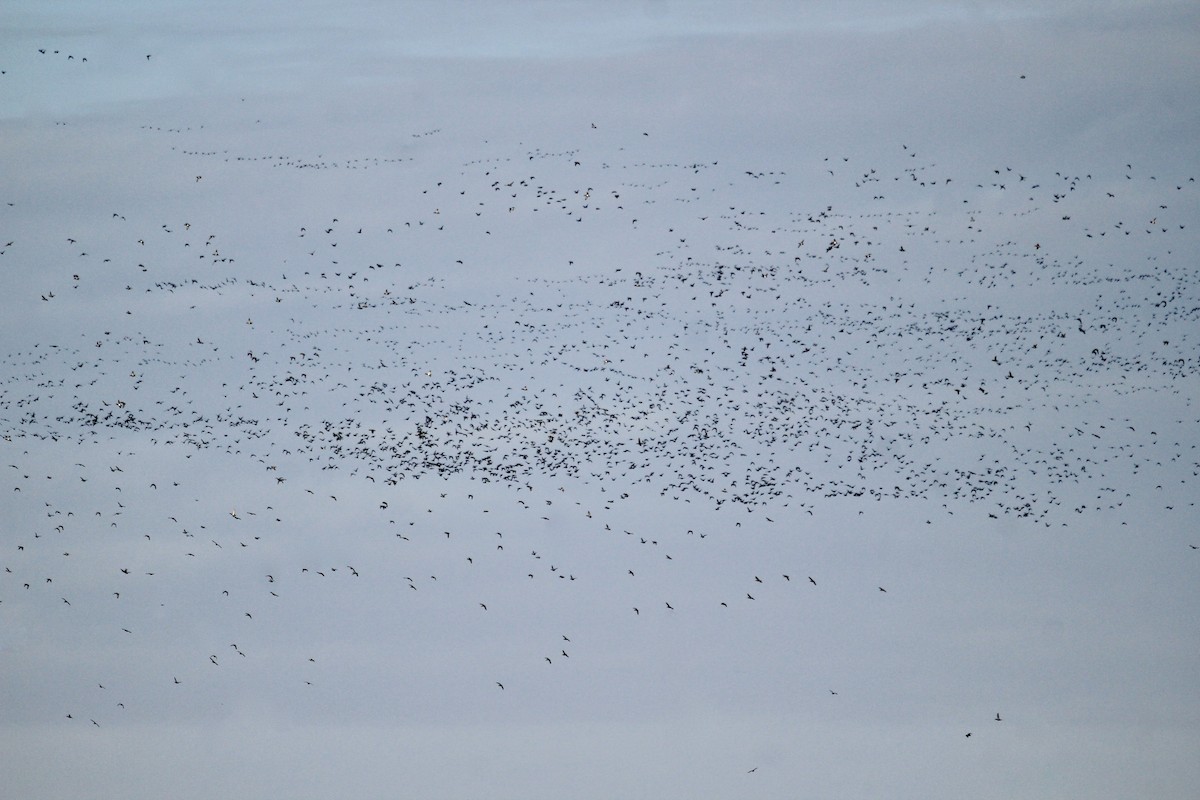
pixel 599 400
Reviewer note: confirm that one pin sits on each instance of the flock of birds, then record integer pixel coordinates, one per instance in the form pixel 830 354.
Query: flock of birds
pixel 567 337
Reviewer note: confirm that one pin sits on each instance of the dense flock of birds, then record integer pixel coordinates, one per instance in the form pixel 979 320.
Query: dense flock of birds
pixel 568 336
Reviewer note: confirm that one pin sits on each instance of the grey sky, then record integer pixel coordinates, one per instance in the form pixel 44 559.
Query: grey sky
pixel 767 395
